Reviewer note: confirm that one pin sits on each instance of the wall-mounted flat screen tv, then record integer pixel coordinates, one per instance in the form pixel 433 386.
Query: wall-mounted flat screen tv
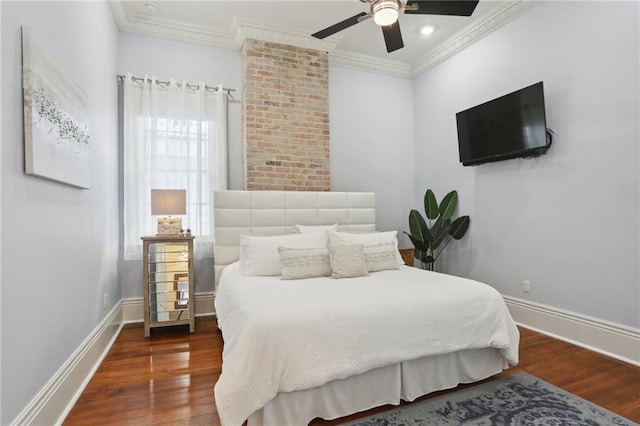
pixel 513 125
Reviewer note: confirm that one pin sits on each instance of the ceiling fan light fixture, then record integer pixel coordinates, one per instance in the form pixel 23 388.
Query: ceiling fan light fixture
pixel 385 12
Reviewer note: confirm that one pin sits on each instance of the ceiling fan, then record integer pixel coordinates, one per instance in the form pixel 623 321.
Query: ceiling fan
pixel 386 12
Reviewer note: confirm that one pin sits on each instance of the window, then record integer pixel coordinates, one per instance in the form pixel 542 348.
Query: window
pixel 174 137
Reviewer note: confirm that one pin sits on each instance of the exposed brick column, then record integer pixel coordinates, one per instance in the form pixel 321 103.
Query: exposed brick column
pixel 285 117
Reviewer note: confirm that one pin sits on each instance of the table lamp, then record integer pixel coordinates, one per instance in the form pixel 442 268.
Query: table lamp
pixel 169 202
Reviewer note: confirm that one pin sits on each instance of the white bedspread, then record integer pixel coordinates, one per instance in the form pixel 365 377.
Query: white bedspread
pixel 283 336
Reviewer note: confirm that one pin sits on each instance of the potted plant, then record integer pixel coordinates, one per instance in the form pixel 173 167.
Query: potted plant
pixel 431 236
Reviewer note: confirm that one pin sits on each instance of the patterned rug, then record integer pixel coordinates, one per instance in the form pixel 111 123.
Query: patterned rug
pixel 518 400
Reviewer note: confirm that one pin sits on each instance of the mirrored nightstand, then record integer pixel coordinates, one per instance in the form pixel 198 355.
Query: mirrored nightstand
pixel 168 282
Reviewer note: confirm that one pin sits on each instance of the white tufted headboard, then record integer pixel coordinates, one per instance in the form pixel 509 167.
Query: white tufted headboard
pixel 275 212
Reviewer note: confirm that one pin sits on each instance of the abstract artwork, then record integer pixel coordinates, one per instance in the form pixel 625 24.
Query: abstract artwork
pixel 56 129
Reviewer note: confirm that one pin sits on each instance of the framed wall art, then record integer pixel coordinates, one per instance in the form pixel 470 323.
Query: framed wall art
pixel 56 127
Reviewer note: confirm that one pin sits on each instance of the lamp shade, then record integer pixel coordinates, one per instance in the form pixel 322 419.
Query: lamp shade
pixel 168 201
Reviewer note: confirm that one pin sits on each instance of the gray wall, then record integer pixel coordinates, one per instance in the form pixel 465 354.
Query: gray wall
pixel 59 244
pixel 567 221
pixel 371 122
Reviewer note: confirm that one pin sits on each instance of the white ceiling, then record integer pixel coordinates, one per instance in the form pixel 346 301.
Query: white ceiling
pixel 227 23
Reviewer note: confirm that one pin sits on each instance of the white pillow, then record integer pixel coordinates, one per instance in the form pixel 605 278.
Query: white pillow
pixel 307 229
pixel 304 263
pixel 347 261
pixel 259 254
pixel 368 239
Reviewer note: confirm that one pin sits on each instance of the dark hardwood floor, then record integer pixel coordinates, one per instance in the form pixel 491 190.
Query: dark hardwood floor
pixel 169 377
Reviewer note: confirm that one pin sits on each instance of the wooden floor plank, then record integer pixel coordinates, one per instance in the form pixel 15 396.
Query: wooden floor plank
pixel 168 379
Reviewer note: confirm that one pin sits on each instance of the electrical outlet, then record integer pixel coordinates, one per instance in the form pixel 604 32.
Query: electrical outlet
pixel 526 286
pixel 105 301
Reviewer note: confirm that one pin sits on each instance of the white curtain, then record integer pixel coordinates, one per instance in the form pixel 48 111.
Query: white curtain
pixel 175 137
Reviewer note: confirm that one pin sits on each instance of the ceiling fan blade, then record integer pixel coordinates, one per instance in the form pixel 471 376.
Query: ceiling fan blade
pixel 393 37
pixel 442 7
pixel 340 25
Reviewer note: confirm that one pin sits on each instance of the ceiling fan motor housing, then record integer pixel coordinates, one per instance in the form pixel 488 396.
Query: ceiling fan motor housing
pixel 385 12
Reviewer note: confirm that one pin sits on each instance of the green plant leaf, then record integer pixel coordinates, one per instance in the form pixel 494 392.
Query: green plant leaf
pixel 459 227
pixel 430 205
pixel 417 226
pixel 439 232
pixel 436 242
pixel 448 205
pixel 420 245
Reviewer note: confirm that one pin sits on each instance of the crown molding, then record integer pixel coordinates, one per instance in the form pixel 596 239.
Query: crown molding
pixel 249 30
pixel 178 31
pixel 464 39
pixel 243 30
pixel 119 14
pixel 370 63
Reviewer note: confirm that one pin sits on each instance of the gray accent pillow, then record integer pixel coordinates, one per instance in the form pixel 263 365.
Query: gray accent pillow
pixel 300 263
pixel 366 239
pixel 381 257
pixel 347 261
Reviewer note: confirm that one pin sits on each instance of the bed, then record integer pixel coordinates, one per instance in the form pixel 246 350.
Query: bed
pixel 297 349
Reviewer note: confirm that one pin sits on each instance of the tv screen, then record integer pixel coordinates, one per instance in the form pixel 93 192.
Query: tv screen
pixel 510 126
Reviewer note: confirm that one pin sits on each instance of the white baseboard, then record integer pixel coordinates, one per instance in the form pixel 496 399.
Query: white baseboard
pixel 54 401
pixel 133 307
pixel 614 340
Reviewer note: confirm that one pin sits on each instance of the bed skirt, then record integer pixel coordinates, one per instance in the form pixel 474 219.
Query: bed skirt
pixel 385 385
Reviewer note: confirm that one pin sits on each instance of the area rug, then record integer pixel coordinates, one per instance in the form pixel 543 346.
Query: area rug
pixel 518 400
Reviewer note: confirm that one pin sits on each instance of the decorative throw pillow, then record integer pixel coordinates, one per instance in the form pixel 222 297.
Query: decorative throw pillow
pixel 309 229
pixel 259 254
pixel 347 261
pixel 304 263
pixel 380 257
pixel 367 240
